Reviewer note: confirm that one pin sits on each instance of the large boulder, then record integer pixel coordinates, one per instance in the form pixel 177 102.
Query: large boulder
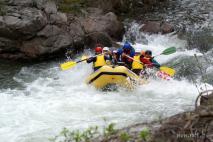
pixel 107 23
pixel 155 27
pixel 31 29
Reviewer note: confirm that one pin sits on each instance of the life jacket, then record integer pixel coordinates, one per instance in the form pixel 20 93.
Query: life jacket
pixel 136 65
pixel 145 60
pixel 100 61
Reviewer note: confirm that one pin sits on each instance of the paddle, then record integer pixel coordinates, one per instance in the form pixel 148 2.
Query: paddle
pixel 70 64
pixel 165 69
pixel 84 57
pixel 167 51
pixel 168 70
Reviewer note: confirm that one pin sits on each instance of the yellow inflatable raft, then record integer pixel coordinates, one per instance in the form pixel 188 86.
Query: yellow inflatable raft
pixel 107 75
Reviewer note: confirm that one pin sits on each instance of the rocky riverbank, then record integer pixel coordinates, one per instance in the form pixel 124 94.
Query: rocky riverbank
pixel 193 126
pixel 43 29
pixel 34 29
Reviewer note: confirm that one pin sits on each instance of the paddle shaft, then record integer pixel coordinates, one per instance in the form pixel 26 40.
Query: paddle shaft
pixel 88 58
pixel 166 71
pixel 81 60
pixel 138 61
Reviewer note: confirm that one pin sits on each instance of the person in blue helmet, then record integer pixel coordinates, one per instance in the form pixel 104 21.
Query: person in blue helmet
pixel 124 52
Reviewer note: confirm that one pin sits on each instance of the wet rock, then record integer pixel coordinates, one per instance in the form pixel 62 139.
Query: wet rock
pixel 50 7
pixel 99 28
pixel 21 2
pixel 23 23
pixel 7 45
pixel 188 126
pixel 49 30
pixel 16 56
pixel 47 43
pixel 206 100
pixel 201 40
pixel 32 29
pixel 107 23
pixel 166 28
pixel 98 37
pixel 58 18
pixel 151 27
pixel 154 27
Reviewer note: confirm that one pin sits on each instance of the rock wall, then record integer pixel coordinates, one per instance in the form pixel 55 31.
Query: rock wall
pixel 30 29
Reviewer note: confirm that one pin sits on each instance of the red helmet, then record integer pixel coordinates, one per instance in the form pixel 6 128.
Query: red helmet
pixel 98 50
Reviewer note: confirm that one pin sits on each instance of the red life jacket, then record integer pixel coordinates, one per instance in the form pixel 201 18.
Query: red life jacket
pixel 145 60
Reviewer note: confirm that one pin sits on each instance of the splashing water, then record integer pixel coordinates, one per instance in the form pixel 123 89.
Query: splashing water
pixel 51 99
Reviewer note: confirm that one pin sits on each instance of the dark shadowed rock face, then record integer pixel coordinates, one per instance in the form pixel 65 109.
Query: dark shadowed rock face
pixel 31 29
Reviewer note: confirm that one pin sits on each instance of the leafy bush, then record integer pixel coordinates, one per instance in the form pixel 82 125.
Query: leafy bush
pixel 124 137
pixel 71 6
pixel 145 134
pixel 76 136
pixel 109 130
pixel 91 133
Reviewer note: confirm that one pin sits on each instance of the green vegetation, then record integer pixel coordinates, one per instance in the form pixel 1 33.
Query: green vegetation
pixel 76 136
pixel 109 130
pixel 71 6
pixel 145 134
pixel 91 133
pixel 124 137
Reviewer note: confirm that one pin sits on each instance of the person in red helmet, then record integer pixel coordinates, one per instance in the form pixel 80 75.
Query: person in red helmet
pixel 98 50
pixel 99 60
pixel 147 59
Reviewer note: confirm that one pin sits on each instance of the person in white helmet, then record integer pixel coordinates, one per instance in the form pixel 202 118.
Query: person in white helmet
pixel 108 54
pixel 136 65
pixel 106 50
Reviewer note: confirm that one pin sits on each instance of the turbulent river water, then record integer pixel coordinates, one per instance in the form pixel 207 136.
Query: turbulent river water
pixel 37 101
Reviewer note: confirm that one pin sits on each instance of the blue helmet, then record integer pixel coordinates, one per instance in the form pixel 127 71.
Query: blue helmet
pixel 127 46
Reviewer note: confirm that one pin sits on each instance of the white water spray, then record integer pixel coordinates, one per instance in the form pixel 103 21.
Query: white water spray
pixel 52 99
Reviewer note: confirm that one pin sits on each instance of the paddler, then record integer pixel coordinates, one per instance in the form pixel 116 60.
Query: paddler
pixel 108 55
pixel 147 59
pixel 128 50
pixel 136 65
pixel 99 60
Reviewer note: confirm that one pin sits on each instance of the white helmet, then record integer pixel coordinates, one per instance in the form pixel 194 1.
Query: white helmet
pixel 137 50
pixel 105 49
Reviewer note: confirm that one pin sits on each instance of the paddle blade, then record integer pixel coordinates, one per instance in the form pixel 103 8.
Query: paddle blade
pixel 84 57
pixel 169 51
pixel 68 65
pixel 168 70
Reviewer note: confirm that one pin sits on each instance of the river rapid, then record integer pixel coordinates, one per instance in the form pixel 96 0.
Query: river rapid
pixel 37 101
